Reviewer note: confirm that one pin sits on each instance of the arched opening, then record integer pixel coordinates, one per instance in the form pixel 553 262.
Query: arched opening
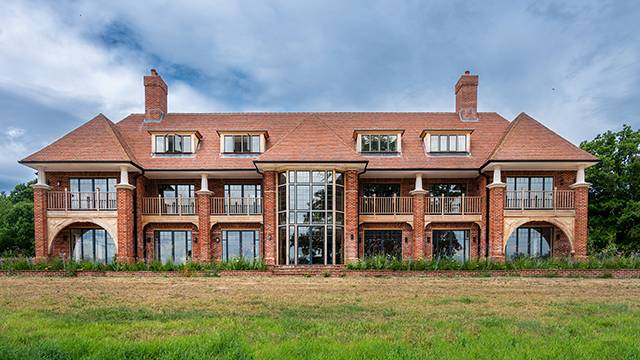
pixel 84 241
pixel 538 239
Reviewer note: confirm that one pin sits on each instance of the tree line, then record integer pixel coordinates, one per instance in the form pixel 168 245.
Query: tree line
pixel 614 200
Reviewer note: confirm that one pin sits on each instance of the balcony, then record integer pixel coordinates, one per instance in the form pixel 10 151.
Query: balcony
pixel 453 205
pixel 81 201
pixel 395 205
pixel 540 200
pixel 236 206
pixel 169 206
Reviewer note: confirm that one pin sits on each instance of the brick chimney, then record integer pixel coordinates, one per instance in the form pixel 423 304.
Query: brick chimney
pixel 467 96
pixel 155 97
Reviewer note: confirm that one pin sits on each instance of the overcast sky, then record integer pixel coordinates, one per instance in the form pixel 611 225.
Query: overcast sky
pixel 575 66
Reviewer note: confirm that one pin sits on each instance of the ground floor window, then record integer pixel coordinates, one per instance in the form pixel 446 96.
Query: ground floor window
pixel 173 246
pixel 451 244
pixel 386 243
pixel 240 244
pixel 95 245
pixel 529 242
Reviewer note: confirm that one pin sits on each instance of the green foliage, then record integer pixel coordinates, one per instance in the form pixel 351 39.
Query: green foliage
pixel 522 263
pixel 614 198
pixel 16 221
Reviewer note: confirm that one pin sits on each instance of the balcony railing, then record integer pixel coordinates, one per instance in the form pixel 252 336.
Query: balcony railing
pixel 393 205
pixel 169 206
pixel 74 200
pixel 453 205
pixel 236 206
pixel 540 200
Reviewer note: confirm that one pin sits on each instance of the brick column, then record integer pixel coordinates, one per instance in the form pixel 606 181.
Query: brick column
pixel 418 224
pixel 351 216
pixel 204 226
pixel 482 236
pixel 496 221
pixel 269 217
pixel 40 220
pixel 139 200
pixel 580 227
pixel 124 193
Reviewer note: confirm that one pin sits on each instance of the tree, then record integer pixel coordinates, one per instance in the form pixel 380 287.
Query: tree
pixel 614 198
pixel 16 220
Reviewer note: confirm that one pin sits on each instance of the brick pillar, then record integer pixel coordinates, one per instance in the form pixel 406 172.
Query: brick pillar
pixel 351 216
pixel 496 221
pixel 418 224
pixel 140 239
pixel 580 227
pixel 125 222
pixel 482 236
pixel 204 226
pixel 40 220
pixel 270 217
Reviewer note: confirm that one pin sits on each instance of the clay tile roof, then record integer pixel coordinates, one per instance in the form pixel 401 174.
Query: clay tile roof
pixel 528 140
pixel 95 140
pixel 311 140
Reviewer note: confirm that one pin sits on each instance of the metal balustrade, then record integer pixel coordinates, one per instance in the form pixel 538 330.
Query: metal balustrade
pixel 540 200
pixel 453 205
pixel 236 206
pixel 392 205
pixel 75 200
pixel 169 206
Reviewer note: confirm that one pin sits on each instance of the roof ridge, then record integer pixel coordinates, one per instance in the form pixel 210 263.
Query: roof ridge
pixel 118 135
pixel 348 146
pixel 284 136
pixel 504 136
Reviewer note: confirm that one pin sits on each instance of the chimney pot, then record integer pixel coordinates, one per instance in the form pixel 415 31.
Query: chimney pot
pixel 154 72
pixel 467 72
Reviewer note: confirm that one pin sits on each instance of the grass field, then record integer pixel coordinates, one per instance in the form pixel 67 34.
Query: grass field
pixel 319 318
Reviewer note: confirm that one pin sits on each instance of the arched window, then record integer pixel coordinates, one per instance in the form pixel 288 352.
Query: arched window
pixel 530 242
pixel 94 245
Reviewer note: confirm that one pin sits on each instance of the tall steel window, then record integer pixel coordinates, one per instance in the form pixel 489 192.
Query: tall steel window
pixel 386 243
pixel 530 242
pixel 310 217
pixel 531 192
pixel 95 245
pixel 451 244
pixel 240 244
pixel 84 192
pixel 243 198
pixel 173 246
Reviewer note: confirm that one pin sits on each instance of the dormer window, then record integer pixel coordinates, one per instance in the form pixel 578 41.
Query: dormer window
pixel 447 141
pixel 173 144
pixel 242 144
pixel 379 144
pixel 378 141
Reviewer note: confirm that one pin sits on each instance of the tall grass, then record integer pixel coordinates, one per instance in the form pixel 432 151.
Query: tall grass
pixel 73 267
pixel 522 263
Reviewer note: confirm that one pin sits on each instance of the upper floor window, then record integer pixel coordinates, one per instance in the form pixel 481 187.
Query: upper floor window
pixel 242 144
pixel 173 144
pixel 176 190
pixel 379 143
pixel 448 144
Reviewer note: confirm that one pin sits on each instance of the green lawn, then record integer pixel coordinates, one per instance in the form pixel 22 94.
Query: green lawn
pixel 318 318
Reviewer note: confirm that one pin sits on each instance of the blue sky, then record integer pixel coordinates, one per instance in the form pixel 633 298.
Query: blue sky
pixel 574 65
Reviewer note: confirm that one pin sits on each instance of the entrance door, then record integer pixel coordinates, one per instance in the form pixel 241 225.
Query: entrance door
pixel 387 243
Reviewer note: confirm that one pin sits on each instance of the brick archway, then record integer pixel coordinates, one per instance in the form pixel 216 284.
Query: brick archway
pixel 566 238
pixel 56 228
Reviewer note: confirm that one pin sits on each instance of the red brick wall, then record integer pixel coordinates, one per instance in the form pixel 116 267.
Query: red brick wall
pixel 581 222
pixel 125 225
pixel 561 179
pixel 482 186
pixel 418 225
pixel 40 222
pixel 351 216
pixel 496 223
pixel 204 225
pixel 155 97
pixel 141 182
pixel 53 178
pixel 466 90
pixel 270 219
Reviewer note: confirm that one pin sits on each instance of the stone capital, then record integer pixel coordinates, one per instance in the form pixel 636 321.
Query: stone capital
pixel 204 192
pixel 125 186
pixel 40 187
pixel 496 185
pixel 418 192
pixel 580 185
